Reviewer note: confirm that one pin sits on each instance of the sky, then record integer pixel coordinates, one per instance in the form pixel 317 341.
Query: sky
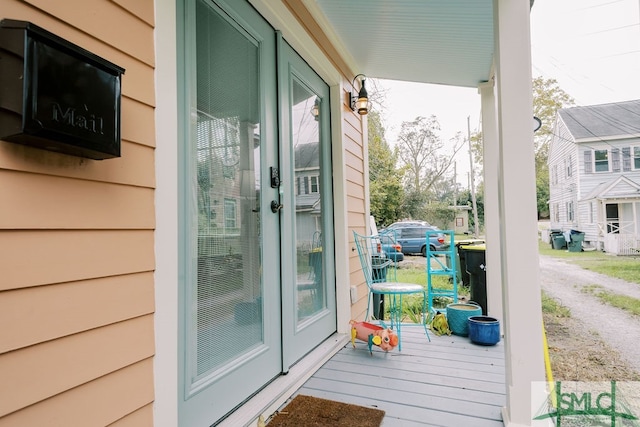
pixel 591 47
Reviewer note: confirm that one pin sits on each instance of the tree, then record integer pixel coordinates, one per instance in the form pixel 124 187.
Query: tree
pixel 385 189
pixel 420 149
pixel 548 98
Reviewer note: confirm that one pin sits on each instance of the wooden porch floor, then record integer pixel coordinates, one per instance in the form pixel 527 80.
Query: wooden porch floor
pixel 446 382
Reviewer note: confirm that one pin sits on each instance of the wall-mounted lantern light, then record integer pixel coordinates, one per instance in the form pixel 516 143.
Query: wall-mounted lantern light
pixel 315 110
pixel 361 102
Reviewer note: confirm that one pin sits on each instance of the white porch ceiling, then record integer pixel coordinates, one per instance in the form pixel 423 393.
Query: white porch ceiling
pixel 446 42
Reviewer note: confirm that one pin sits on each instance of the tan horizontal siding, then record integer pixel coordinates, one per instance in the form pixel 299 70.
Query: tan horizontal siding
pixel 133 114
pixel 32 258
pixel 143 417
pixel 354 190
pixel 54 202
pixel 355 205
pixel 77 244
pixel 355 175
pixel 71 361
pixel 45 313
pixel 137 82
pixel 97 403
pixel 105 20
pixel 354 162
pixel 142 9
pixel 132 168
pixel 353 145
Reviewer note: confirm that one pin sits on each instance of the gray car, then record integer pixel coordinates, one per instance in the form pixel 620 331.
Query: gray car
pixel 412 237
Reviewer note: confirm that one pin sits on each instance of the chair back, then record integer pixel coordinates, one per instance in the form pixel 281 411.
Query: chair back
pixel 372 258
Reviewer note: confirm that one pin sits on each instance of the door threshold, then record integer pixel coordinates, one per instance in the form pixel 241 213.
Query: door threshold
pixel 275 394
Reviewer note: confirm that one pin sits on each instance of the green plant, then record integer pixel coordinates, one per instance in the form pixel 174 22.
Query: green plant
pixel 630 304
pixel 412 304
pixel 553 307
pixel 621 267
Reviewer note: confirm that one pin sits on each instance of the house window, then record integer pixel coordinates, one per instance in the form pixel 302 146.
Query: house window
pixel 556 213
pixel 591 212
pixel 554 174
pixel 569 211
pixel 569 166
pixel 306 185
pixel 636 158
pixel 601 160
pixel 230 213
pixel 314 184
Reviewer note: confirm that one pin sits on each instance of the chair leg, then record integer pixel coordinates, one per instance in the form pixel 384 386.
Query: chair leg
pixel 425 315
pixel 395 316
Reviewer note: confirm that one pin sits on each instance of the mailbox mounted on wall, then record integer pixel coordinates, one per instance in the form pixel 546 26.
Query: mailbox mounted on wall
pixel 55 95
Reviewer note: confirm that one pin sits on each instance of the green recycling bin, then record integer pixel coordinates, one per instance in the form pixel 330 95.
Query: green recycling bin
pixel 558 241
pixel 575 242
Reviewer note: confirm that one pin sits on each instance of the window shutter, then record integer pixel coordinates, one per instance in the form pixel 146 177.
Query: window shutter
pixel 588 167
pixel 615 159
pixel 626 159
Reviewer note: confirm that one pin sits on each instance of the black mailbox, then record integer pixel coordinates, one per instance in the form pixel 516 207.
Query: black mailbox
pixel 56 95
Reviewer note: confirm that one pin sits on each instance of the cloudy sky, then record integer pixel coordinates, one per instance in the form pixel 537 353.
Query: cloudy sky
pixel 591 47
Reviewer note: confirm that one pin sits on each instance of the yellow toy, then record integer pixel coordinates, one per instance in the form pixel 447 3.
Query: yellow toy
pixel 372 334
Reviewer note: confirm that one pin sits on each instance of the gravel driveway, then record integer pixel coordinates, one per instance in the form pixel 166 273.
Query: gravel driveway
pixel 619 329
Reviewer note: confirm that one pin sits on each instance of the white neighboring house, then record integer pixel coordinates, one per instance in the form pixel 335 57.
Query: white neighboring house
pixel 594 168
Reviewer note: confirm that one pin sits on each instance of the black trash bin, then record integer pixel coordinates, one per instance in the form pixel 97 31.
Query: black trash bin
pixel 557 239
pixel 379 266
pixel 460 246
pixel 476 267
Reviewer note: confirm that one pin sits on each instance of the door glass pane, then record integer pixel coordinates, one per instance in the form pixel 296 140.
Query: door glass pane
pixel 306 118
pixel 226 306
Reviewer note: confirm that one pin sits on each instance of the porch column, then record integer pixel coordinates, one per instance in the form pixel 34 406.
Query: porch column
pixel 491 213
pixel 517 210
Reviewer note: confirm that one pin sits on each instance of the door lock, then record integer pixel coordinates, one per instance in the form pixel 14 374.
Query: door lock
pixel 275 206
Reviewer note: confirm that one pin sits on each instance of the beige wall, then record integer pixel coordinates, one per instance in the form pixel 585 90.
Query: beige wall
pixel 76 244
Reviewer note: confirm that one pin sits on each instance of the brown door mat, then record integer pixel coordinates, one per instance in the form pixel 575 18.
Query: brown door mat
pixel 307 411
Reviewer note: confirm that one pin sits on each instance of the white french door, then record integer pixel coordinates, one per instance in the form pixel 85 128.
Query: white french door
pixel 257 279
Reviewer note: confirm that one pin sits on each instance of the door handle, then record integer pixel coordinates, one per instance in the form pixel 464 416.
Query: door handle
pixel 275 206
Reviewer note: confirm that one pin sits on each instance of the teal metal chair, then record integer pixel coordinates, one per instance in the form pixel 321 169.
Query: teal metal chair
pixel 382 284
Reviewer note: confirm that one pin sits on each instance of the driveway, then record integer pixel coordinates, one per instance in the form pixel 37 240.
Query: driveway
pixel 617 328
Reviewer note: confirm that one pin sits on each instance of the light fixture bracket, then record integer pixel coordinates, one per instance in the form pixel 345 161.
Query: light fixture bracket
pixel 359 102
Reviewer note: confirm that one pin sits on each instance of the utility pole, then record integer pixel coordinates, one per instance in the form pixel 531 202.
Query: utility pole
pixel 455 185
pixel 472 184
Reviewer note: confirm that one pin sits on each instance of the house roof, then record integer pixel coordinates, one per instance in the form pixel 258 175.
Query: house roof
pixel 603 121
pixel 307 156
pixel 429 41
pixel 616 188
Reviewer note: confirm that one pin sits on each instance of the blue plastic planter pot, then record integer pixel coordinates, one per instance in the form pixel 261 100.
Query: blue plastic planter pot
pixel 484 330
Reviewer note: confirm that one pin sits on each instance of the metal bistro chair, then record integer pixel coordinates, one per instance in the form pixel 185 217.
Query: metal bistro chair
pixel 371 257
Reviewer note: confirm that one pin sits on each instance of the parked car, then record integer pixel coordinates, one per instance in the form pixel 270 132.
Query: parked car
pixel 412 237
pixel 391 247
pixel 406 223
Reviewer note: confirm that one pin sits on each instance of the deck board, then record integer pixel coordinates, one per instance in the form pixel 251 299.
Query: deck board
pixel 446 382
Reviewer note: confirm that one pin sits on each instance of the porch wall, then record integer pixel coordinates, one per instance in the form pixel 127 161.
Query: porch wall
pixel 356 157
pixel 351 170
pixel 77 244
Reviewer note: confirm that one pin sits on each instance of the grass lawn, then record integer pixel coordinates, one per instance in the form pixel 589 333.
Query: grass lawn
pixel 623 267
